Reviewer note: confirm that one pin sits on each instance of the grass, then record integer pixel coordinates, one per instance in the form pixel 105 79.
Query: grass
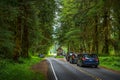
pixel 110 62
pixel 59 57
pixel 19 71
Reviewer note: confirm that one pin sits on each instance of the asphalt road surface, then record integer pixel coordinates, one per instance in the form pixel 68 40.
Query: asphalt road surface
pixel 60 70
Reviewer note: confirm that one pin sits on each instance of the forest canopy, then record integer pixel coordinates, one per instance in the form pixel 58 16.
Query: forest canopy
pixel 90 25
pixel 81 25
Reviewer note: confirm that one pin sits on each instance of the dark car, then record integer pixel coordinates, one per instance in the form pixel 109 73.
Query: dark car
pixel 73 58
pixel 88 60
pixel 68 56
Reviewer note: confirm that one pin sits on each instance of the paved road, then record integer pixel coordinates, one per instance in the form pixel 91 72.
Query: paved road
pixel 66 71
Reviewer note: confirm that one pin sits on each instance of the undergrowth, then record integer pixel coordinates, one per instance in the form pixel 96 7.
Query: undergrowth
pixel 10 70
pixel 111 62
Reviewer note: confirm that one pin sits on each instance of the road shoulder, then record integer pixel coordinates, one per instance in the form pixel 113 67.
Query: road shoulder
pixel 41 67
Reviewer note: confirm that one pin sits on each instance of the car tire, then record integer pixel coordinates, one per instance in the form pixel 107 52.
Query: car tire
pixel 95 66
pixel 80 64
pixel 70 60
pixel 73 61
pixel 77 64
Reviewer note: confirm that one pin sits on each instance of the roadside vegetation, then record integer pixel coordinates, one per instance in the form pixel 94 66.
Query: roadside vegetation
pixel 110 62
pixel 59 56
pixel 9 70
pixel 26 29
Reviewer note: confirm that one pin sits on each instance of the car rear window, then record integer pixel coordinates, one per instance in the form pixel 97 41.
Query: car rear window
pixel 94 55
pixel 90 56
pixel 87 56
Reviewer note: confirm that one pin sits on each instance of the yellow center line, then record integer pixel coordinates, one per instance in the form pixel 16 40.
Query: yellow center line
pixel 87 73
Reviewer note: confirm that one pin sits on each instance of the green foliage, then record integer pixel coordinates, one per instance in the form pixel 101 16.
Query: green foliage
pixel 12 71
pixel 111 62
pixel 90 25
pixel 59 57
pixel 26 26
pixel 43 17
pixel 8 13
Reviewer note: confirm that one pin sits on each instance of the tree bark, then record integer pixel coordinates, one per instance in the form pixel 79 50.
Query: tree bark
pixel 25 38
pixel 106 31
pixel 18 35
pixel 96 35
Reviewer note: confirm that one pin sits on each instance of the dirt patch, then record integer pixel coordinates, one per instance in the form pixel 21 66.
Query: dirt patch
pixel 41 67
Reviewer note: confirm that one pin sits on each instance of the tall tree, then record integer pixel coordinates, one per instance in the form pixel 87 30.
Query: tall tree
pixel 26 27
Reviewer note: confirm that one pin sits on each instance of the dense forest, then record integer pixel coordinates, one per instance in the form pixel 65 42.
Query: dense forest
pixel 26 27
pixel 29 28
pixel 90 26
pixel 82 25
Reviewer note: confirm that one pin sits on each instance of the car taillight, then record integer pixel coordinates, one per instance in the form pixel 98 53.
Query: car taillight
pixel 96 59
pixel 83 59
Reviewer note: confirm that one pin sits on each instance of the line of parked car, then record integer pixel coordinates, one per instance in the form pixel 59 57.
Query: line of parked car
pixel 83 59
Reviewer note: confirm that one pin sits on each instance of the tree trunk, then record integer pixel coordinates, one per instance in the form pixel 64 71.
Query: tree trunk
pixel 18 35
pixel 106 31
pixel 96 35
pixel 25 39
pixel 17 49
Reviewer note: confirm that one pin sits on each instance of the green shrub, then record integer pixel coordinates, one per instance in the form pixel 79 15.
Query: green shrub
pixel 19 71
pixel 111 62
pixel 59 57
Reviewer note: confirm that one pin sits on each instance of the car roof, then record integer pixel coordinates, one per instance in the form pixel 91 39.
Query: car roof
pixel 87 54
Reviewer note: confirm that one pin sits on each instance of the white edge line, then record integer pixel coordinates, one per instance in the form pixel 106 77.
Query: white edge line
pixel 53 70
